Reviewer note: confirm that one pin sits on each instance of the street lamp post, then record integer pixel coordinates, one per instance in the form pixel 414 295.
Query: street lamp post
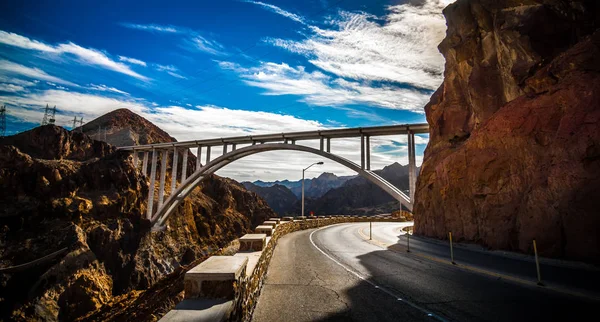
pixel 319 163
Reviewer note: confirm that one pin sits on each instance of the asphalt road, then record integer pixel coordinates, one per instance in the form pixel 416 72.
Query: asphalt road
pixel 337 274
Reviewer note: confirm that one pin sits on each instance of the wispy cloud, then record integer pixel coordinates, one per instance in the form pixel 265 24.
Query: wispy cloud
pixel 279 11
pixel 151 27
pixel 193 40
pixel 319 89
pixel 104 88
pixel 87 56
pixel 11 88
pixel 169 69
pixel 9 67
pixel 132 61
pixel 402 49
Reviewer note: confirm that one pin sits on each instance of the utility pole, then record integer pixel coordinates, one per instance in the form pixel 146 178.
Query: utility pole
pixel 49 114
pixel 2 121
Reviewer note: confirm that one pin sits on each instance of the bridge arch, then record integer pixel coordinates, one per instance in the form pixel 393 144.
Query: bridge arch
pixel 186 187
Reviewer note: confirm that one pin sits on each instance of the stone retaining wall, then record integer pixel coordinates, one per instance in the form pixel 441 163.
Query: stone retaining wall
pixel 249 288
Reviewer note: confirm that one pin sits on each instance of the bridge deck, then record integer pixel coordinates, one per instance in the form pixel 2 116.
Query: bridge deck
pixel 294 136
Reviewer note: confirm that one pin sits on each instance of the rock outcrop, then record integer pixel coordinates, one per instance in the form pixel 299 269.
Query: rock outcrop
pixel 514 151
pixel 65 194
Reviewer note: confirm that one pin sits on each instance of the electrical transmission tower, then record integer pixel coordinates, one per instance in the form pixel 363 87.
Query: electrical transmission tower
pixel 2 121
pixel 49 115
pixel 75 121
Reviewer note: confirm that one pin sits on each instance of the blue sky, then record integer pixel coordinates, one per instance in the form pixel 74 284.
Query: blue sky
pixel 202 69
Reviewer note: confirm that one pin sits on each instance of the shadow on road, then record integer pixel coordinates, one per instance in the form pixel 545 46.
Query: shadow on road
pixel 448 292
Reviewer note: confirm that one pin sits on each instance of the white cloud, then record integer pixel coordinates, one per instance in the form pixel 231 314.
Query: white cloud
pixel 205 122
pixel 104 88
pixel 402 49
pixel 193 41
pixel 317 88
pixel 200 43
pixel 169 69
pixel 18 69
pixel 87 56
pixel 11 88
pixel 279 11
pixel 132 61
pixel 152 27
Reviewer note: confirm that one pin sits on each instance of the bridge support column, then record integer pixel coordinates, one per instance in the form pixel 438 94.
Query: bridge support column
pixel 152 184
pixel 174 168
pixel 224 148
pixel 163 175
pixel 184 165
pixel 362 151
pixel 135 159
pixel 328 145
pixel 368 148
pixel 233 147
pixel 198 158
pixel 145 164
pixel 207 154
pixel 293 141
pixel 322 144
pixel 412 175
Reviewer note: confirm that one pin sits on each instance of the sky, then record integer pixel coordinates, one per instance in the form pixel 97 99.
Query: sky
pixel 210 69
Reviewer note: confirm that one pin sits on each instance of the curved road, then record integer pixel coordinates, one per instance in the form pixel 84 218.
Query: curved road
pixel 336 274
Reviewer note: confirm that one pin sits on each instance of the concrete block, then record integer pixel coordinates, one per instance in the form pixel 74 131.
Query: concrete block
pixel 270 222
pixel 253 242
pixel 264 229
pixel 301 217
pixel 287 219
pixel 214 278
pixel 200 310
pixel 277 220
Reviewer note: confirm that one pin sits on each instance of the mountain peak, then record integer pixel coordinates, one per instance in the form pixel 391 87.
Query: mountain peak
pixel 327 176
pixel 123 127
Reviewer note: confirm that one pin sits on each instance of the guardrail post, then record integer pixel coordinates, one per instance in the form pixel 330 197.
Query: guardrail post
pixel 451 249
pixel 537 265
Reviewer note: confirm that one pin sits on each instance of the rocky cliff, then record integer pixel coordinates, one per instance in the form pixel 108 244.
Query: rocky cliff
pixel 83 203
pixel 514 151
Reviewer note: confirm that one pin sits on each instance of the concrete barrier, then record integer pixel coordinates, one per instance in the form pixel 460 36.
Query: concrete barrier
pixel 253 242
pixel 271 223
pixel 277 220
pixel 248 269
pixel 264 229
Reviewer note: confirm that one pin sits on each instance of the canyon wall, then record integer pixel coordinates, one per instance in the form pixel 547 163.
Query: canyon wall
pixel 514 151
pixel 64 192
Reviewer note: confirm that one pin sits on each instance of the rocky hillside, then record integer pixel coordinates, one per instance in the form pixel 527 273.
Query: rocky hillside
pixel 83 203
pixel 514 151
pixel 122 127
pixel 280 198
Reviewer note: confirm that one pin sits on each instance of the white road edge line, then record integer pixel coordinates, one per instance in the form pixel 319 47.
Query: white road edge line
pixel 381 288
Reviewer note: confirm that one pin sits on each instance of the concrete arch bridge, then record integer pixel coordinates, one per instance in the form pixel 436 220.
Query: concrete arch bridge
pixel 258 144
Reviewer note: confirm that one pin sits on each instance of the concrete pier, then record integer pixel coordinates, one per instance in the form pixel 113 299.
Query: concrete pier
pixel 214 278
pixel 264 229
pixel 253 242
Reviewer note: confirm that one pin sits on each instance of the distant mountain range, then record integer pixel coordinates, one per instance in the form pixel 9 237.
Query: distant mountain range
pixel 313 188
pixel 329 194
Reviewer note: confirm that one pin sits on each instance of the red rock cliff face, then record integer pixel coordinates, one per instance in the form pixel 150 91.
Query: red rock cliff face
pixel 514 151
